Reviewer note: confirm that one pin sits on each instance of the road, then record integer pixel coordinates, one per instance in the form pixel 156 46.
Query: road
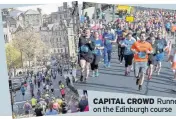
pixel 19 101
pixel 113 80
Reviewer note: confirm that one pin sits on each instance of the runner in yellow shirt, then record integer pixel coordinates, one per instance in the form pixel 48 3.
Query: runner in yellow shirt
pixel 33 102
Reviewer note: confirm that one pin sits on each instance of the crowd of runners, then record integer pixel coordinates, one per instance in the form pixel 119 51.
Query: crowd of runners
pixel 142 44
pixel 44 101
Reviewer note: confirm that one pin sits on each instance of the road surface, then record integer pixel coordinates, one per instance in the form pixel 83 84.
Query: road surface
pixel 113 80
pixel 19 101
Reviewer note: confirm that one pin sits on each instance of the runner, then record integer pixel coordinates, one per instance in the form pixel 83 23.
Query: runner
pixel 151 59
pixel 141 50
pixel 33 102
pixel 51 111
pixel 120 48
pixel 83 104
pixel 109 38
pixel 27 107
pixel 35 80
pixel 23 91
pixel 38 110
pixel 32 88
pixel 38 95
pixel 47 88
pixel 85 54
pixel 62 89
pixel 52 88
pixel 97 54
pixel 128 54
pixel 161 46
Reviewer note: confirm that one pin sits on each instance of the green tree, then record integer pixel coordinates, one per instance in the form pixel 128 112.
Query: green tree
pixel 12 56
pixel 29 43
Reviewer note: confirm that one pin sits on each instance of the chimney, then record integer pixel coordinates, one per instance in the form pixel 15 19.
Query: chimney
pixel 39 10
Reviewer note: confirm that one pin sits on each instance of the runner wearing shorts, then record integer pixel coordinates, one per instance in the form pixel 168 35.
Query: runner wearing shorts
pixel 151 58
pixel 141 50
pixel 128 54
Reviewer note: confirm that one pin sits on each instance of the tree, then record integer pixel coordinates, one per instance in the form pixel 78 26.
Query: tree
pixel 12 56
pixel 29 43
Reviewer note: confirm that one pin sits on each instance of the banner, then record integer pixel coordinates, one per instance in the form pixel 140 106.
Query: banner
pixel 129 19
pixel 122 7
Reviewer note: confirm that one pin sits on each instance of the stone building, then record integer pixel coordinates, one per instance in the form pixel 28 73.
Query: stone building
pixel 33 18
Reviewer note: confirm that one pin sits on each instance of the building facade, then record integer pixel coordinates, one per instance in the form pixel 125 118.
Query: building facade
pixel 32 17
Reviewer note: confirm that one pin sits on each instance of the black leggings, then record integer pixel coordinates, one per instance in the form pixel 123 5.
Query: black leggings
pixel 128 60
pixel 94 64
pixel 121 53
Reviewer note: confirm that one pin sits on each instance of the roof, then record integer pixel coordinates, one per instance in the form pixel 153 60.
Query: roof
pixel 46 16
pixel 15 13
pixel 30 11
pixel 54 13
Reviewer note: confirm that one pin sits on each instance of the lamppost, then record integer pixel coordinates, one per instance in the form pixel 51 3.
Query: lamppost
pixel 10 88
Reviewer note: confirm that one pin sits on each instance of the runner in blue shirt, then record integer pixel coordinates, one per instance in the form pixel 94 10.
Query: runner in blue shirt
pixel 97 54
pixel 51 111
pixel 128 54
pixel 109 38
pixel 23 90
pixel 168 26
pixel 161 46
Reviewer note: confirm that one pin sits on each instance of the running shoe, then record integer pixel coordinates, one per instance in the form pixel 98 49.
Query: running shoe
pixel 81 79
pixel 93 74
pixel 105 65
pixel 126 73
pixel 158 73
pixel 96 74
pixel 149 77
pixel 140 87
pixel 108 65
pixel 85 80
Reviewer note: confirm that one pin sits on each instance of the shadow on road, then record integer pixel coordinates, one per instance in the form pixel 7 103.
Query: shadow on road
pixel 164 83
pixel 107 73
pixel 107 87
pixel 147 88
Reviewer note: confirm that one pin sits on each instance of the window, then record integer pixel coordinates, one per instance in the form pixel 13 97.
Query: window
pixel 5 13
pixel 61 50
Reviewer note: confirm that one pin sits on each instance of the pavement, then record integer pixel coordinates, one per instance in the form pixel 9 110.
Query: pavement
pixel 113 80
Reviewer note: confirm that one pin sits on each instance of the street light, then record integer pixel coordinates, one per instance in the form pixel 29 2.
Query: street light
pixel 10 88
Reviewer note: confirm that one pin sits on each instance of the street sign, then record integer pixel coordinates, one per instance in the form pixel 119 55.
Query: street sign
pixel 129 19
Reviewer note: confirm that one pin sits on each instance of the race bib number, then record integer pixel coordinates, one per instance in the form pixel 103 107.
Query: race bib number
pixel 84 48
pixel 160 46
pixel 95 51
pixel 108 41
pixel 142 55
